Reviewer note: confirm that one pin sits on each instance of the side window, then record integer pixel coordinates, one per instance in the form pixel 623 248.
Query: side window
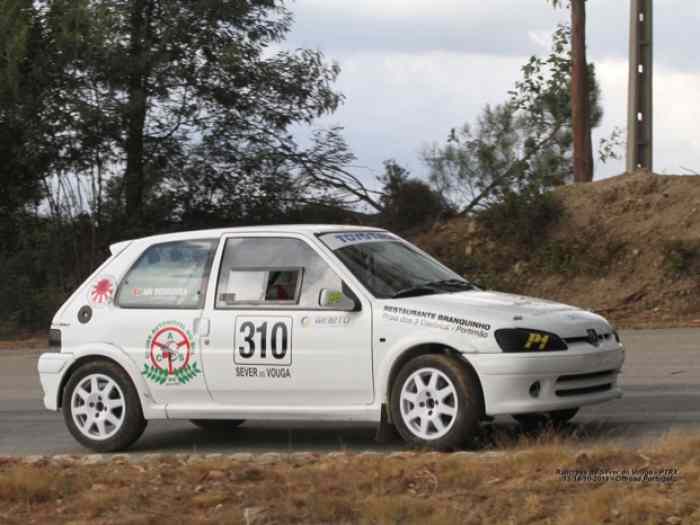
pixel 274 272
pixel 169 275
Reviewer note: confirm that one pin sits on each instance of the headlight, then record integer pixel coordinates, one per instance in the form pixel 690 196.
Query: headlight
pixel 617 336
pixel 525 340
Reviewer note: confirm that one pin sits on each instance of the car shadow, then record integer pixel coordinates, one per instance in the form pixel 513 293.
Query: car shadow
pixel 287 437
pixel 257 437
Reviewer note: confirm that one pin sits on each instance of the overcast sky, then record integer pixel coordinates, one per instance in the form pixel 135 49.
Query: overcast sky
pixel 412 70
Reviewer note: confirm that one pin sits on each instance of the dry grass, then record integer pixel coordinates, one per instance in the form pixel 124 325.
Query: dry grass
pixel 520 486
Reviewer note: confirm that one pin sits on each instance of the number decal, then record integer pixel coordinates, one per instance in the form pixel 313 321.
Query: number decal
pixel 248 350
pixel 279 346
pixel 262 330
pixel 263 341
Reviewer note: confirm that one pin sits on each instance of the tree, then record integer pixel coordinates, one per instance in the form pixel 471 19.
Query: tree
pixel 522 144
pixel 119 118
pixel 583 146
pixel 407 202
pixel 164 88
pixel 24 142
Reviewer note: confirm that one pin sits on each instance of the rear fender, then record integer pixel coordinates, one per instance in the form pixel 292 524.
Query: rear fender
pixel 85 353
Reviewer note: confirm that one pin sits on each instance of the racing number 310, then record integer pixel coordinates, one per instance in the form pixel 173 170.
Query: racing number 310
pixel 266 341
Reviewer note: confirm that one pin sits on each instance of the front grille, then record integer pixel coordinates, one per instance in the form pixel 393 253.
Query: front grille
pixel 579 377
pixel 585 339
pixel 582 384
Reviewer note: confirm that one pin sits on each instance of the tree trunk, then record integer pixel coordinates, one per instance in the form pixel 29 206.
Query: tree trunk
pixel 580 99
pixel 136 114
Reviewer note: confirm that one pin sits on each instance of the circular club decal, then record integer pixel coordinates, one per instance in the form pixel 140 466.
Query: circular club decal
pixel 101 291
pixel 170 347
pixel 170 355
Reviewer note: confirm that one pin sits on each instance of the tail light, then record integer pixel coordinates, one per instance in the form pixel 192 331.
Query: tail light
pixel 54 340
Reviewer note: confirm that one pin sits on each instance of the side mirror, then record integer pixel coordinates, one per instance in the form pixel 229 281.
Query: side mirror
pixel 337 300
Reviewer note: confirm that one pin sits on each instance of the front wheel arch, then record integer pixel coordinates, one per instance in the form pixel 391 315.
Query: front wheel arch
pixel 427 349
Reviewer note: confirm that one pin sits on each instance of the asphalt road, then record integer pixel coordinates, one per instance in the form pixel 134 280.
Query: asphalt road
pixel 662 393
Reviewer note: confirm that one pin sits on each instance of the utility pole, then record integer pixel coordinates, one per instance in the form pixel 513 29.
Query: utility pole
pixel 580 99
pixel 640 120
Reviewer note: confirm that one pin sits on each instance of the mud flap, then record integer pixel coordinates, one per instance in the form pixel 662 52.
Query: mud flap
pixel 386 432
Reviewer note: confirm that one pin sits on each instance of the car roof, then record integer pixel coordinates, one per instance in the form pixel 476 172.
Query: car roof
pixel 306 229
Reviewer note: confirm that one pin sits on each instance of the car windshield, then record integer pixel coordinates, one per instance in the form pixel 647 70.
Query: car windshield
pixel 390 268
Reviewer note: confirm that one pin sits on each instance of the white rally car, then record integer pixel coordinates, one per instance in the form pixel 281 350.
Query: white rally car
pixel 331 323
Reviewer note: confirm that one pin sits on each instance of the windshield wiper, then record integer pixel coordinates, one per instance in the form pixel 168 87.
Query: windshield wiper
pixel 454 283
pixel 413 291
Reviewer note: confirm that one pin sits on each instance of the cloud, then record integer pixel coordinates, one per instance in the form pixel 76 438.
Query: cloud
pixel 503 27
pixel 493 27
pixel 412 70
pixel 398 103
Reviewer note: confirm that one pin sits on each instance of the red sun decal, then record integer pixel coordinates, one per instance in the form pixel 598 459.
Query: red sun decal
pixel 101 292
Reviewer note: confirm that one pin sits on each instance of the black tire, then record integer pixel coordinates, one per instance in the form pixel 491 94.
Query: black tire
pixel 217 425
pixel 468 402
pixel 556 418
pixel 133 423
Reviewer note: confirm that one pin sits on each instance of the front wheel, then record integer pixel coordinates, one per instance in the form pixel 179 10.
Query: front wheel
pixel 101 407
pixel 436 403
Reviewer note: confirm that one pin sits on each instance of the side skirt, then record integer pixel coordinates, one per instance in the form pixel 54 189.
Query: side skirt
pixel 367 414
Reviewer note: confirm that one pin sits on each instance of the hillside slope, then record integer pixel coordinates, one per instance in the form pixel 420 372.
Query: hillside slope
pixel 627 247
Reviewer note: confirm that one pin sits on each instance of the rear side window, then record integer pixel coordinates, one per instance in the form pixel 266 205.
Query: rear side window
pixel 169 275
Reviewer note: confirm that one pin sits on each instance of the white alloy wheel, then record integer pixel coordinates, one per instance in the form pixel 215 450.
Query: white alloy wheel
pixel 429 403
pixel 98 407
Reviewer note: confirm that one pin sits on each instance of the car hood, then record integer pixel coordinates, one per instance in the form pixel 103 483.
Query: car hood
pixel 508 303
pixel 507 310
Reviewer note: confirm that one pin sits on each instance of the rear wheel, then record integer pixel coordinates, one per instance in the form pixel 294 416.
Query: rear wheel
pixel 101 407
pixel 541 419
pixel 436 403
pixel 217 425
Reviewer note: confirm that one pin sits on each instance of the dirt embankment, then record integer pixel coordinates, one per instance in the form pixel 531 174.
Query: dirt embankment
pixel 627 247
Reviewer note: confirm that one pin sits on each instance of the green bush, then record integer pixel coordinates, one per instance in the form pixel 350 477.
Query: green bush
pixel 522 218
pixel 683 257
pixel 561 257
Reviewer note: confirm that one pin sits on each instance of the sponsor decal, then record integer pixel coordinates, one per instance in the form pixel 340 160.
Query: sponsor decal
pixel 339 240
pixel 170 355
pixel 160 292
pixel 326 321
pixel 263 373
pixel 101 291
pixel 439 321
pixel 363 237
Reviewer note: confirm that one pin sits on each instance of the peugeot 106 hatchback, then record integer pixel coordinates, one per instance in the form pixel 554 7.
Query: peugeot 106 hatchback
pixel 318 323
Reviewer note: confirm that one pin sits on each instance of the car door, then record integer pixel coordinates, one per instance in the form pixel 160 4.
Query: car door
pixel 158 306
pixel 271 343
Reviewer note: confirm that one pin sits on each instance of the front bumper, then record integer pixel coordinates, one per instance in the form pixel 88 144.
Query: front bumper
pixel 566 380
pixel 51 367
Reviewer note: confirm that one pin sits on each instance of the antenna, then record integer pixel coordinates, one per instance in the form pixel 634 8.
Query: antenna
pixel 640 120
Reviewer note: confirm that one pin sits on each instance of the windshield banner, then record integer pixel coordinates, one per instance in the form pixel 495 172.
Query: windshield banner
pixel 342 239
